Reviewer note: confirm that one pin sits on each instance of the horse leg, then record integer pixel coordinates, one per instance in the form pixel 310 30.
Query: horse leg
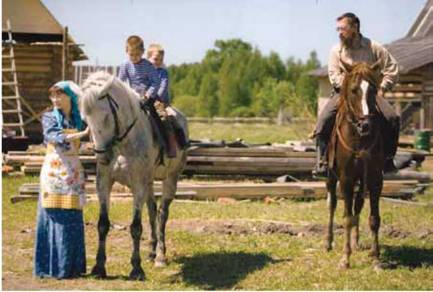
pixel 349 220
pixel 374 222
pixel 136 230
pixel 331 185
pixel 169 190
pixel 359 204
pixel 152 211
pixel 103 186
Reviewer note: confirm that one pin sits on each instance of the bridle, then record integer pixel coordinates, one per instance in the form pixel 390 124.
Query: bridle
pixel 117 138
pixel 357 153
pixel 358 124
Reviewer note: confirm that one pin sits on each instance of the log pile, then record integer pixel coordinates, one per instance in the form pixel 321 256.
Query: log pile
pixel 223 160
pixel 240 190
pixel 218 159
pixel 210 158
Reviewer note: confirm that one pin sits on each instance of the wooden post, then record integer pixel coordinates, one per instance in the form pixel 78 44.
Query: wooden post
pixel 422 124
pixel 65 53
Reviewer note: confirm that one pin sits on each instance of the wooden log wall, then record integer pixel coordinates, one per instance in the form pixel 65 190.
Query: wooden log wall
pixel 38 67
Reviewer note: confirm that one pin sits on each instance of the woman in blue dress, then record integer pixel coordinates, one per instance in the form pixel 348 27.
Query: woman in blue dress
pixel 59 246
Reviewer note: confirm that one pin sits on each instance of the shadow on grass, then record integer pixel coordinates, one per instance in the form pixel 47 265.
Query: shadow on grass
pixel 408 256
pixel 108 278
pixel 221 270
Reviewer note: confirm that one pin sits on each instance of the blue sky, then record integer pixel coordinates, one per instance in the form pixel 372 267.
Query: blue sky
pixel 187 28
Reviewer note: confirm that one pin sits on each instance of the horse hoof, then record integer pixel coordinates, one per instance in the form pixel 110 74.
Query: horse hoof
pixel 344 265
pixel 328 247
pixel 377 266
pixel 151 256
pixel 99 272
pixel 373 254
pixel 137 274
pixel 363 246
pixel 160 263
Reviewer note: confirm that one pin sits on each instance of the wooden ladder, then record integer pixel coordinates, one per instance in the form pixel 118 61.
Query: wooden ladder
pixel 12 108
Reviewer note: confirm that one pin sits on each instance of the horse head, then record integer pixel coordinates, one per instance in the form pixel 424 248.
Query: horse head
pixel 110 109
pixel 358 94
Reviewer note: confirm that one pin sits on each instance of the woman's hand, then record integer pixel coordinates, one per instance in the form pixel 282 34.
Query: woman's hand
pixel 79 135
pixel 86 132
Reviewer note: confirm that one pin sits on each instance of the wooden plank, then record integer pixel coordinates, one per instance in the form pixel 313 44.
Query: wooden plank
pixel 231 170
pixel 250 152
pixel 34 68
pixel 222 160
pixel 410 78
pixel 35 55
pixel 30 61
pixel 248 190
pixel 407 87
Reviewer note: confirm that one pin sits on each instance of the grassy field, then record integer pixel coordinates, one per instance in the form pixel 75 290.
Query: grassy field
pixel 252 133
pixel 222 246
pixel 243 245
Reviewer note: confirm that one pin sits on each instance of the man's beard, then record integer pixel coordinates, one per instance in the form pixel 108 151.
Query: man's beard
pixel 347 42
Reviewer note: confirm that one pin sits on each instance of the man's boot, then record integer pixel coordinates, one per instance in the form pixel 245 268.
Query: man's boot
pixel 321 167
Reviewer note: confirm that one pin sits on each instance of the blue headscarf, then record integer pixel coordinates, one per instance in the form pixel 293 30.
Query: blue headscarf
pixel 75 113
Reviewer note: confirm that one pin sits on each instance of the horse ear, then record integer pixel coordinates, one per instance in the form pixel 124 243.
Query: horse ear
pixel 376 65
pixel 347 66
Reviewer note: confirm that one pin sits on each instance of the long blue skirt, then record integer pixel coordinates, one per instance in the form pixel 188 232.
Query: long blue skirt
pixel 59 247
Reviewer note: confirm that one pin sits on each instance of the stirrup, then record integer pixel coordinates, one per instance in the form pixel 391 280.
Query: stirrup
pixel 320 170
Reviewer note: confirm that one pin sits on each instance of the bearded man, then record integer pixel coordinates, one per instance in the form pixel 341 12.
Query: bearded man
pixel 354 47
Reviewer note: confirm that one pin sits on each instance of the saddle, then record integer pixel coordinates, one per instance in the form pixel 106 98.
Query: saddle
pixel 160 132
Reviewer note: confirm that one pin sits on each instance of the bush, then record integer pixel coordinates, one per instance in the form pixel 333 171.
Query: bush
pixel 187 104
pixel 242 112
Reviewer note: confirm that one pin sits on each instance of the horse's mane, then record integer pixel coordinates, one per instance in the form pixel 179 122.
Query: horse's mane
pixel 99 84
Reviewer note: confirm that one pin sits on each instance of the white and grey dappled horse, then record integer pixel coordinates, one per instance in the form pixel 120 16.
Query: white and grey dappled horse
pixel 127 153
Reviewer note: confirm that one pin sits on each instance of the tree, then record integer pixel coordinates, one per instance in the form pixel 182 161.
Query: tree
pixel 275 67
pixel 208 98
pixel 235 79
pixel 306 85
pixel 228 92
pixel 187 104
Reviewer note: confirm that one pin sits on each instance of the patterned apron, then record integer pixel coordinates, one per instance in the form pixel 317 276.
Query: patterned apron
pixel 62 177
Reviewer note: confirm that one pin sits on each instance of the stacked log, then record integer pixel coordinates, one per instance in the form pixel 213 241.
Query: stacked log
pixel 239 190
pixel 264 160
pixel 259 161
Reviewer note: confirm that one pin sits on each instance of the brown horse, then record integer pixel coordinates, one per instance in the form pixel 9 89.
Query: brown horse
pixel 356 156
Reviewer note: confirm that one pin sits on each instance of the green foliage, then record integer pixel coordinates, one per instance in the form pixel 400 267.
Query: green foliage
pixel 243 112
pixel 208 99
pixel 187 104
pixel 234 79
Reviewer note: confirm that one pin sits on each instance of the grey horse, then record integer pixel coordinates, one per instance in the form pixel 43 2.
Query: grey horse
pixel 127 152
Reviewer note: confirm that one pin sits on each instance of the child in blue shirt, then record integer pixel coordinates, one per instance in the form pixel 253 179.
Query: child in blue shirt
pixel 139 72
pixel 155 54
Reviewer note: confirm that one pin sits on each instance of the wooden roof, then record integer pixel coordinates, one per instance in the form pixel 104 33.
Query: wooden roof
pixel 31 21
pixel 423 24
pixel 29 16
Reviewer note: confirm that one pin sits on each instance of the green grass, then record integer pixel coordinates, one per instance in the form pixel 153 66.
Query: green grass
pixel 229 261
pixel 251 133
